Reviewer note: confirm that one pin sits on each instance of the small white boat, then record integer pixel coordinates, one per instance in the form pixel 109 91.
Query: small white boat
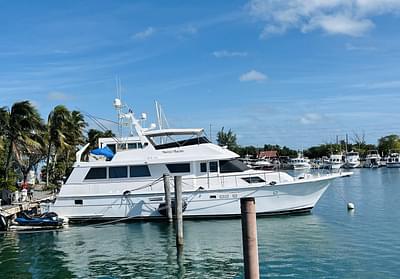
pixel 334 162
pixel 373 159
pixel 263 165
pixel 299 163
pixel 352 160
pixel 393 160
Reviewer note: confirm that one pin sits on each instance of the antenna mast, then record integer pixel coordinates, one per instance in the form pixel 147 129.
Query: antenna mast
pixel 118 105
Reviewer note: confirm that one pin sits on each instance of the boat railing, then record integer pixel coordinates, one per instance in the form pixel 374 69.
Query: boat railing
pixel 225 179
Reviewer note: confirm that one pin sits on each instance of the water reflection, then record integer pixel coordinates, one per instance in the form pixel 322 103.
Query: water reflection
pixel 329 243
pixel 32 255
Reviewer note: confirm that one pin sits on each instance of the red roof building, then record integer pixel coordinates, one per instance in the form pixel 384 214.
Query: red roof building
pixel 270 154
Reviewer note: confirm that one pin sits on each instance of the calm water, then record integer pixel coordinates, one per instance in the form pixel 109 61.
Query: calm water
pixel 329 243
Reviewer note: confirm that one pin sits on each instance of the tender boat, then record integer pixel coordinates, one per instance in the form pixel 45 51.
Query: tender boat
pixel 393 160
pixel 373 159
pixel 49 220
pixel 130 183
pixel 352 160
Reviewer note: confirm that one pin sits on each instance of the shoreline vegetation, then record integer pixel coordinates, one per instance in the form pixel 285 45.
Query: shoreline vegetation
pixel 28 142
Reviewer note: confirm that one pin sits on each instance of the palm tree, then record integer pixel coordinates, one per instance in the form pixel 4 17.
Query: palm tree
pixel 94 135
pixel 227 139
pixel 76 127
pixel 4 115
pixel 19 128
pixel 57 130
pixel 74 136
pixel 28 156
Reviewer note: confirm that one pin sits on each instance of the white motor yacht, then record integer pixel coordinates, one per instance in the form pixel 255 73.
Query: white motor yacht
pixel 334 162
pixel 299 163
pixel 373 159
pixel 352 160
pixel 393 160
pixel 263 164
pixel 128 181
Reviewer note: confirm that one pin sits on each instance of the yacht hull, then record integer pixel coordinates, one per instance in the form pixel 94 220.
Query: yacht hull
pixel 351 165
pixel 301 167
pixel 332 166
pixel 393 165
pixel 299 196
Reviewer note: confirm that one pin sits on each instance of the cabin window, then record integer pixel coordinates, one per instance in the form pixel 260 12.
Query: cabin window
pixel 97 173
pixel 78 202
pixel 176 168
pixel 121 146
pixel 227 166
pixel 118 172
pixel 132 145
pixel 139 171
pixel 203 167
pixel 112 147
pixel 140 145
pixel 253 179
pixel 180 143
pixel 213 166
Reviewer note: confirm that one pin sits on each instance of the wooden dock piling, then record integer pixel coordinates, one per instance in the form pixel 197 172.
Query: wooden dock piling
pixel 178 210
pixel 249 238
pixel 167 192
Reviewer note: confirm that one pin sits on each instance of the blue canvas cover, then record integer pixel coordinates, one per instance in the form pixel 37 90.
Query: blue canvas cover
pixel 105 151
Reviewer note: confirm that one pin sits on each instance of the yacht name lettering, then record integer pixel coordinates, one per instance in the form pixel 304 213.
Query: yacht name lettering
pixel 172 151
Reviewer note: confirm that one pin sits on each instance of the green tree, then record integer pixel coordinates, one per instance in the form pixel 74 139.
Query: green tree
pixel 388 143
pixel 74 137
pixel 57 130
pixel 94 135
pixel 76 125
pixel 227 139
pixel 282 151
pixel 28 157
pixel 247 150
pixel 19 130
pixel 4 115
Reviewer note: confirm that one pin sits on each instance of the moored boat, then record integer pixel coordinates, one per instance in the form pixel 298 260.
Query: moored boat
pixel 48 220
pixel 334 162
pixel 393 160
pixel 129 183
pixel 352 160
pixel 373 159
pixel 299 163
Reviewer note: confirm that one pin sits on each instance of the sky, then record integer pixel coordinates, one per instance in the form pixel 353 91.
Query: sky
pixel 295 73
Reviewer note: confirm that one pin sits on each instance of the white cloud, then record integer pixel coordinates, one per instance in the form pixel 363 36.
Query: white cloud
pixel 253 75
pixel 346 17
pixel 310 118
pixel 225 53
pixel 144 34
pixel 339 24
pixel 58 96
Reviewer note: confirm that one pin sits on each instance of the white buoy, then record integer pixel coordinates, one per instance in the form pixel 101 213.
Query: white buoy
pixel 350 206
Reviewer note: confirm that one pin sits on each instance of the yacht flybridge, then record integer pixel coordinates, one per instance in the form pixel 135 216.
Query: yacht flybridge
pixel 123 178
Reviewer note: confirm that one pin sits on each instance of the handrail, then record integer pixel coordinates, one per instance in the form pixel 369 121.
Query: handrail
pixel 80 152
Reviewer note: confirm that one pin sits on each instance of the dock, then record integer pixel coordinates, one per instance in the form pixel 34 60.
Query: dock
pixel 15 208
pixel 9 212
